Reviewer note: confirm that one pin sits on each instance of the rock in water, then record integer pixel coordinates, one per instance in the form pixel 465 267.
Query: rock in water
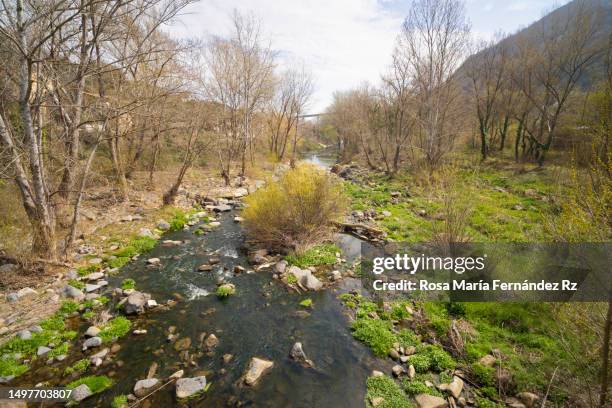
pixel 144 387
pixel 257 368
pixel 211 342
pixel 81 392
pixel 182 344
pixel 186 387
pixel 297 353
pixel 136 302
pixel 430 401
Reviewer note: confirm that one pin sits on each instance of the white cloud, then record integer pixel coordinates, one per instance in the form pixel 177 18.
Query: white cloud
pixel 343 42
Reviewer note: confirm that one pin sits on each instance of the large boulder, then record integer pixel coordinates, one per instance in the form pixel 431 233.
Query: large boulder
pixel 136 302
pixel 144 387
pixel 257 368
pixel 187 387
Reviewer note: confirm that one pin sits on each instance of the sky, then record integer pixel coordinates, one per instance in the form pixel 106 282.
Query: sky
pixel 343 43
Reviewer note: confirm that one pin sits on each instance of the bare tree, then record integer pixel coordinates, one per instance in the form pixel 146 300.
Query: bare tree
pixel 292 91
pixel 486 71
pixel 551 64
pixel 433 43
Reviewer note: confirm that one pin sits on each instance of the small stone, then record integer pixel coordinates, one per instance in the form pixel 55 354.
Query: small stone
pixel 182 344
pixel 151 303
pixel 297 353
pixel 42 350
pixel 239 269
pixel 227 358
pixel 72 293
pixel 336 275
pixel 186 387
pixel 12 297
pixel 163 225
pixel 92 331
pixel 36 329
pixel 139 332
pixel 397 370
pixel 376 401
pixel 153 261
pixel 81 392
pixel 394 354
pixel 487 360
pixel 144 387
pixel 430 401
pixel 92 342
pixel 411 372
pixel 454 387
pixel 376 373
pixel 528 398
pixel 257 368
pixel 238 219
pixel 177 374
pixel 26 292
pixel 94 276
pixel 211 341
pixel 25 335
pixel 99 355
pixel 205 268
pixel 461 402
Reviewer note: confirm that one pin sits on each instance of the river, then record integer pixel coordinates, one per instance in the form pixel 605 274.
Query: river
pixel 263 319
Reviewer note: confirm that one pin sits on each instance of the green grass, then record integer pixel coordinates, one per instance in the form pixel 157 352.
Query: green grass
pixel 375 333
pixel 86 270
pixel 9 366
pixel 392 394
pixel 119 401
pixel 306 303
pixel 79 367
pixel 76 284
pixel 324 254
pixel 115 328
pixel 416 387
pixel 291 279
pixel 178 221
pixel 96 383
pixel 60 350
pixel 128 284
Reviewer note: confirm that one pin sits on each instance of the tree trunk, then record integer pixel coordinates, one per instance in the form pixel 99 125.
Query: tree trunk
pixel 605 355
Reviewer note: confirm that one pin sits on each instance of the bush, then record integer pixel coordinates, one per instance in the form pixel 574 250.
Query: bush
pixel 297 211
pixel 96 383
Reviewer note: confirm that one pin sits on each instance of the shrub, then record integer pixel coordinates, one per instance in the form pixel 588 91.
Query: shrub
pixel 78 367
pixel 76 284
pixel 297 211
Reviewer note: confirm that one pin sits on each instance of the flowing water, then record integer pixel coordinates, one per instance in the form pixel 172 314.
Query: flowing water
pixel 260 320
pixel 263 319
